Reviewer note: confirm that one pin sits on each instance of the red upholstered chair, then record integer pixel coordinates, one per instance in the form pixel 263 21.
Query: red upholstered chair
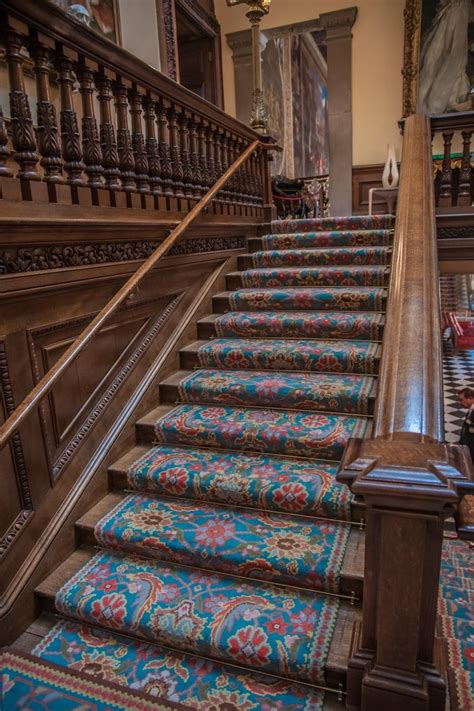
pixel 462 332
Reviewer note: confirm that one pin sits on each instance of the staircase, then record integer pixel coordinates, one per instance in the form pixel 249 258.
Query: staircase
pixel 230 565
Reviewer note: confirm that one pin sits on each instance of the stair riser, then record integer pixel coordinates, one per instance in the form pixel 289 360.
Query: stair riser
pixel 246 261
pixel 169 394
pixel 222 305
pixel 207 330
pixel 236 281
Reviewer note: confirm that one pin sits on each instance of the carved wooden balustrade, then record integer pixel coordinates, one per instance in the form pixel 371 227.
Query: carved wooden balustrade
pixel 454 173
pixel 408 478
pixel 107 130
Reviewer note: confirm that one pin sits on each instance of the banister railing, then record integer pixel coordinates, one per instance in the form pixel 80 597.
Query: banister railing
pixel 108 129
pixel 409 480
pixel 454 169
pixel 44 386
pixel 410 395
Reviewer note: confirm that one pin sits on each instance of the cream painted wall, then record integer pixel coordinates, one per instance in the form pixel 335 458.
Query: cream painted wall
pixel 377 59
pixel 138 23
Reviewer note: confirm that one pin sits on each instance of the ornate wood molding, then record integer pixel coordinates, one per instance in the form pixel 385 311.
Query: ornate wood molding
pixel 31 258
pixel 144 342
pixel 18 461
pixel 411 56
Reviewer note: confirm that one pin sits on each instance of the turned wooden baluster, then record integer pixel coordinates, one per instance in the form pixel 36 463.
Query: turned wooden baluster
pixel 226 194
pixel 47 131
pixel 91 153
pixel 175 152
pixel 138 142
pixel 233 182
pixel 4 152
pixel 23 135
pixel 253 179
pixel 185 157
pixel 259 173
pixel 211 165
pixel 124 139
pixel 70 139
pixel 445 196
pixel 151 146
pixel 464 195
pixel 164 150
pixel 217 159
pixel 194 158
pixel 108 143
pixel 204 173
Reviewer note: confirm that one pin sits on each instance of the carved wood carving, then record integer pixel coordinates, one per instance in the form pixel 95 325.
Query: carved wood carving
pixel 4 152
pixel 411 56
pixel 21 259
pixel 90 135
pixel 124 139
pixel 18 461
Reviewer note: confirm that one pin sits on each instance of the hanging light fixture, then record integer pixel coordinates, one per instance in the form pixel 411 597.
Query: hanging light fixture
pixel 256 10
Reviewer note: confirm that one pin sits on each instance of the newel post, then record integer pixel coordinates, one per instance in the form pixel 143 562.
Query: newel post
pixel 409 488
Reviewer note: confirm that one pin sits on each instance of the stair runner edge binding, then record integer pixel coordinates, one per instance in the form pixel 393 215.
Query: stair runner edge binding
pixel 266 432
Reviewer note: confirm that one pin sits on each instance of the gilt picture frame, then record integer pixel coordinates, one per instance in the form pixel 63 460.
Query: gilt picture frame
pixel 438 62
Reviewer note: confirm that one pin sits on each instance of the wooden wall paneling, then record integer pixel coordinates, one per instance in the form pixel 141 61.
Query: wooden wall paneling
pixel 365 177
pixel 52 539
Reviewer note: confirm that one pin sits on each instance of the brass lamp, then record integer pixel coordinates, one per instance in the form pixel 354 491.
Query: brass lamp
pixel 256 10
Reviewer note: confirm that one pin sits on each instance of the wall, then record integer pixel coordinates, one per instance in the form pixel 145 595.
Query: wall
pixel 138 23
pixel 377 60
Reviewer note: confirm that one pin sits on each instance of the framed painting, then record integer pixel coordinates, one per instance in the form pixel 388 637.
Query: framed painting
pixel 438 67
pixel 100 15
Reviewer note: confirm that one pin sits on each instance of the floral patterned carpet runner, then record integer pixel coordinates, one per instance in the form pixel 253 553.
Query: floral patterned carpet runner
pixel 456 620
pixel 230 546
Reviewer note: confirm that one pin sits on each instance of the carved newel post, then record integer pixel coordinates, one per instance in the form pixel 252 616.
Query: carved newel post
pixel 409 489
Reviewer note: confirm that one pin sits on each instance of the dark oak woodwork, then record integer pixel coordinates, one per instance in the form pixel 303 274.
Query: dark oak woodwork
pixel 124 139
pixel 151 145
pixel 90 135
pixel 138 142
pixel 47 130
pixel 23 137
pixel 454 183
pixel 108 143
pixel 409 481
pixel 4 152
pixel 70 138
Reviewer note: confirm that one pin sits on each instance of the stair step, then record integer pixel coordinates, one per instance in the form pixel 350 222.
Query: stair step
pixel 303 277
pixel 351 394
pixel 288 608
pixel 361 357
pixel 198 684
pixel 360 325
pixel 312 257
pixel 349 222
pixel 307 299
pixel 30 683
pixel 260 481
pixel 300 434
pixel 300 552
pixel 322 239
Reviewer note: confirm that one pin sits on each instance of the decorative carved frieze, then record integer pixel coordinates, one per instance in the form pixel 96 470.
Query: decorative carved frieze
pixel 17 260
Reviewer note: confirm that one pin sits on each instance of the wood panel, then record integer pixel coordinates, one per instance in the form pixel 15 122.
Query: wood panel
pixel 365 177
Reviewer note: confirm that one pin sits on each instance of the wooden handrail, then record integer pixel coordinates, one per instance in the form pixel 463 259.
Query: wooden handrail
pixel 44 385
pixel 410 395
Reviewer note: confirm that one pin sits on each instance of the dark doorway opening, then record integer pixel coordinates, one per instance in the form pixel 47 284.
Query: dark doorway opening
pixel 199 55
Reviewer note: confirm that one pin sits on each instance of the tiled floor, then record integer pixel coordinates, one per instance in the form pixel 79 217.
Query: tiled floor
pixel 458 373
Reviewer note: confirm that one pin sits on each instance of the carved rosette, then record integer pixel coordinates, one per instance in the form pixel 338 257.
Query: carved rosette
pixel 4 152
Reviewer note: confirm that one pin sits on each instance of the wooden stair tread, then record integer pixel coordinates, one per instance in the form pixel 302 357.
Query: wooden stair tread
pixel 352 569
pixel 336 666
pixel 127 459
